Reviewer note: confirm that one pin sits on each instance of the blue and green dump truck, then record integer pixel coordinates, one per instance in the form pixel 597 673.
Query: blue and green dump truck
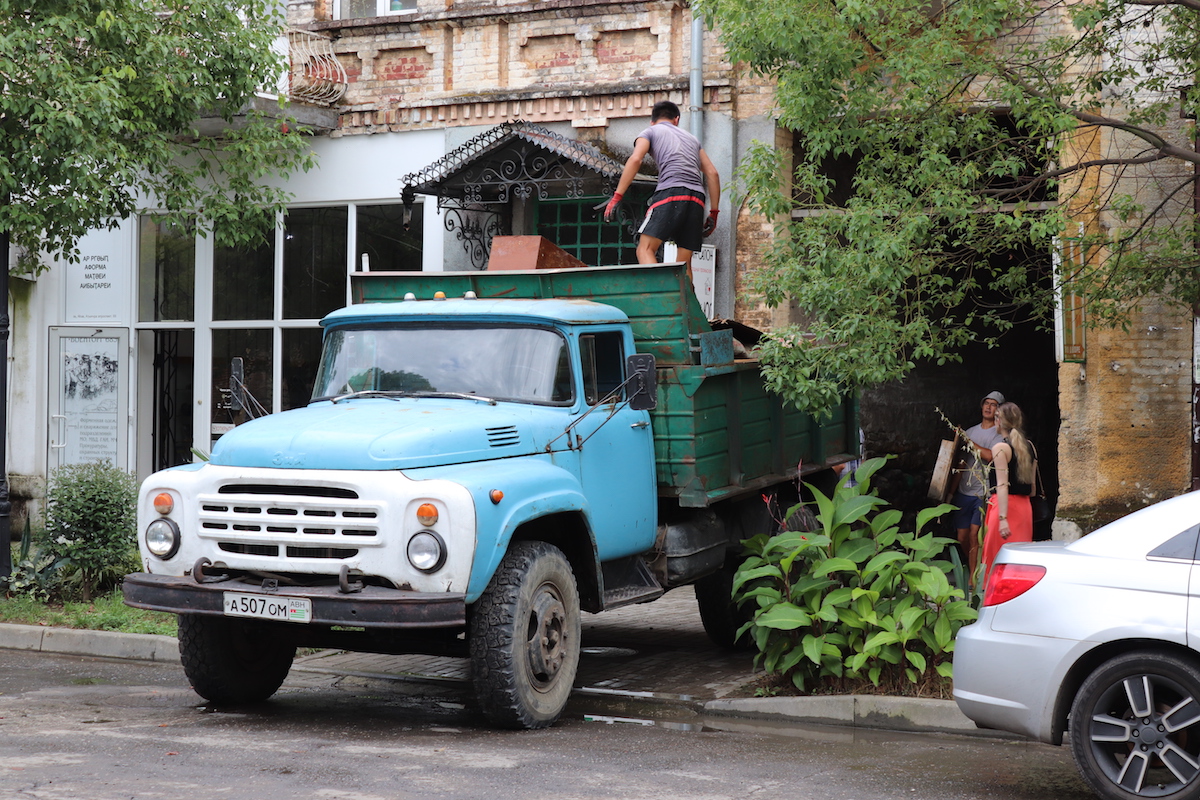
pixel 486 455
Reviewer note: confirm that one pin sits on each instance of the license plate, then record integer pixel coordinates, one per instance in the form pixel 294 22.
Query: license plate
pixel 259 606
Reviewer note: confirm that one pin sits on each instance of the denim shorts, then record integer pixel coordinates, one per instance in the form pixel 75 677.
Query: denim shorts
pixel 970 511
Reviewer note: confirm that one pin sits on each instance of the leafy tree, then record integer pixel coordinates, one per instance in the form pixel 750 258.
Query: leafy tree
pixel 945 150
pixel 99 103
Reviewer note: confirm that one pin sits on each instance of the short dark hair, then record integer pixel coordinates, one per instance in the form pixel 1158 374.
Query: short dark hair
pixel 664 109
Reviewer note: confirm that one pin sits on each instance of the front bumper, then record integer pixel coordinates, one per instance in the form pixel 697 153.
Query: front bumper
pixel 369 607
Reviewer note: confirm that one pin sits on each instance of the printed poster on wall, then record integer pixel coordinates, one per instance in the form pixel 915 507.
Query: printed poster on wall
pixel 97 285
pixel 90 399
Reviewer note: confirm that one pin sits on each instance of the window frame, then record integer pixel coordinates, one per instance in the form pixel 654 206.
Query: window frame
pixel 382 9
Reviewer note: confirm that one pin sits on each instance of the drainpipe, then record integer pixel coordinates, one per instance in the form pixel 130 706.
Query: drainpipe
pixel 696 101
pixel 5 505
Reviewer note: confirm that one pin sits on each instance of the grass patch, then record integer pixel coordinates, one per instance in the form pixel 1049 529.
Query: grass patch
pixel 105 613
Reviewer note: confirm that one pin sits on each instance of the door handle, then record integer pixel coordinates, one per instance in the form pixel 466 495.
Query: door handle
pixel 639 425
pixel 62 430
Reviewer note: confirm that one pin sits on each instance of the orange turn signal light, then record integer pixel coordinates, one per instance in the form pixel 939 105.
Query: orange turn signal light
pixel 164 503
pixel 427 514
pixel 496 496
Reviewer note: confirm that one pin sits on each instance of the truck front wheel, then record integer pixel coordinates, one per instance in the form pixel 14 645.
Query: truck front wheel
pixel 231 661
pixel 525 638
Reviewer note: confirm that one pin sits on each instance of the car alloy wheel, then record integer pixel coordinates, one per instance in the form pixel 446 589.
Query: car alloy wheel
pixel 1135 727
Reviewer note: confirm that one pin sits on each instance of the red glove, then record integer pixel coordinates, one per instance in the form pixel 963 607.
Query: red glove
pixel 710 224
pixel 611 209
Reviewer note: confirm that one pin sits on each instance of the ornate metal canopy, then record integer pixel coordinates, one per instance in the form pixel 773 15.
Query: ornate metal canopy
pixel 474 183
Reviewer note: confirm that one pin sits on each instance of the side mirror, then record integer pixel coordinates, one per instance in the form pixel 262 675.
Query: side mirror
pixel 642 382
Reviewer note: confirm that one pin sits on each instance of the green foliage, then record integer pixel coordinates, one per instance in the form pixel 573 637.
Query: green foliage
pixel 91 520
pixel 36 571
pixel 943 216
pixel 99 111
pixel 107 612
pixel 856 598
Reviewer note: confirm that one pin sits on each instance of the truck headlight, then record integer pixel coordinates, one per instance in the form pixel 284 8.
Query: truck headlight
pixel 427 551
pixel 162 538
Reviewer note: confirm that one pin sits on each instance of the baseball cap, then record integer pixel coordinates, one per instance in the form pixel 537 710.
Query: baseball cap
pixel 999 398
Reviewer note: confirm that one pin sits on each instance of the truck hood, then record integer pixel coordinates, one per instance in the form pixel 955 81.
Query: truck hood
pixel 373 433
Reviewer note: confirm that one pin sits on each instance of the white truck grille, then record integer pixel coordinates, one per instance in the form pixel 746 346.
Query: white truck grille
pixel 290 521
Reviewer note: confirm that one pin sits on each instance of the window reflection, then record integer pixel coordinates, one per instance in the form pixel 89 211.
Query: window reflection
pixel 383 239
pixel 314 261
pixel 253 347
pixel 166 271
pixel 244 282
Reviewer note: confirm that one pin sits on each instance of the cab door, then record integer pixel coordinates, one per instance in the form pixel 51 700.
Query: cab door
pixel 616 449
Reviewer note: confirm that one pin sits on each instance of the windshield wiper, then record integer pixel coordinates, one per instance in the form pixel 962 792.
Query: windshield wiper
pixel 397 395
pixel 458 395
pixel 368 393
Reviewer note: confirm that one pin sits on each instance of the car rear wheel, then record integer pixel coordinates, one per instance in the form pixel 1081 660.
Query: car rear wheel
pixel 1135 728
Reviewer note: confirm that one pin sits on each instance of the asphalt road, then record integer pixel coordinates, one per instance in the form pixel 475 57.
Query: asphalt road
pixel 101 729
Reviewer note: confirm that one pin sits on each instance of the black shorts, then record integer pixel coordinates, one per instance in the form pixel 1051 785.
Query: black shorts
pixel 676 215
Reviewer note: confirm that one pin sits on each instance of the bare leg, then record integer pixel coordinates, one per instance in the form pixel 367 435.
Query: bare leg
pixel 647 249
pixel 647 252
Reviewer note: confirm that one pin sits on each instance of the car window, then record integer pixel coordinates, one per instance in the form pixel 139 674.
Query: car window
pixel 1178 548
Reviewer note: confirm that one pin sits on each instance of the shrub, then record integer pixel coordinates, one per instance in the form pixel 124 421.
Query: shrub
pixel 855 598
pixel 91 520
pixel 36 572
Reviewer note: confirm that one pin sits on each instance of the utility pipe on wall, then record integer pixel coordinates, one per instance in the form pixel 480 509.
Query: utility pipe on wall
pixel 696 87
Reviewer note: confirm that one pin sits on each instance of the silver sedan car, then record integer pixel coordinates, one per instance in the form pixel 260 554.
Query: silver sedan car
pixel 1098 640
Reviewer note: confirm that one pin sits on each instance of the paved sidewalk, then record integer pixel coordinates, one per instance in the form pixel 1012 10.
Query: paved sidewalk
pixel 656 651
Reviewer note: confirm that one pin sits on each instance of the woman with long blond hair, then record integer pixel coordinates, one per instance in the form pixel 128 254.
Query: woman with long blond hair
pixel 1009 515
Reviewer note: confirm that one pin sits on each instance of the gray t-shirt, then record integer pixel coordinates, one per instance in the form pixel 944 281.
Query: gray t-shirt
pixel 970 483
pixel 677 154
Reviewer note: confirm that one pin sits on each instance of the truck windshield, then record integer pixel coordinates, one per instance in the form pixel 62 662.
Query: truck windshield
pixel 524 364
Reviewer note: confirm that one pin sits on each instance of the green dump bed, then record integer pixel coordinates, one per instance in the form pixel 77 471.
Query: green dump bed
pixel 718 433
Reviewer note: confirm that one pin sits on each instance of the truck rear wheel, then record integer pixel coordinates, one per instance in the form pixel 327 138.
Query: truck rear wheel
pixel 721 616
pixel 232 661
pixel 525 638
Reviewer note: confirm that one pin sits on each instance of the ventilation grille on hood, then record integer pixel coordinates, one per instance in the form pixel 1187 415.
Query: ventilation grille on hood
pixel 504 436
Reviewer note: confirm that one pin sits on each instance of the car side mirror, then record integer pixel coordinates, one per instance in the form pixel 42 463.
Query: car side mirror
pixel 642 382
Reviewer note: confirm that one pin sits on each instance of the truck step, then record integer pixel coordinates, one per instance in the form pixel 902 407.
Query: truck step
pixel 628 581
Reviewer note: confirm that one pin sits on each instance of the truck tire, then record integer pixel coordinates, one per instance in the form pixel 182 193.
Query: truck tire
pixel 722 617
pixel 525 638
pixel 232 661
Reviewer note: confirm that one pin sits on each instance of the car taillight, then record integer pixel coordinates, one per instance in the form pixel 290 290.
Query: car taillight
pixel 1008 581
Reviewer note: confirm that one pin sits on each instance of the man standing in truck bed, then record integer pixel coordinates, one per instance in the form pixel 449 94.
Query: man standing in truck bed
pixel 676 209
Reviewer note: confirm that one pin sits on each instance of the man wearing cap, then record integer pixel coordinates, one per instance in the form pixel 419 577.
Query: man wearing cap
pixel 971 493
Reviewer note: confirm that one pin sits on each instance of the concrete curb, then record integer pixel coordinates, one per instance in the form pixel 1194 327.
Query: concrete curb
pixel 101 644
pixel 880 712
pixel 859 711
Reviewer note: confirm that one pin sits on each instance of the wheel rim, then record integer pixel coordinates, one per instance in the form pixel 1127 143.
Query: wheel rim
pixel 547 644
pixel 1144 735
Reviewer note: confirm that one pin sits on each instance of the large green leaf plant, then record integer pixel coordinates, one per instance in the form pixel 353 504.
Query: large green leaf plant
pixel 856 598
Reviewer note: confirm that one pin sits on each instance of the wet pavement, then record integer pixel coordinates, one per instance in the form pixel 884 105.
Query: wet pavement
pixel 657 648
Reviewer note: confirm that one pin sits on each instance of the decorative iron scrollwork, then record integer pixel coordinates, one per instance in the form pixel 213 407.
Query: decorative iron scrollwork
pixel 474 225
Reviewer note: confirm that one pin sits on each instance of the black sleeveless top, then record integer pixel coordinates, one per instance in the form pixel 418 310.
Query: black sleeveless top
pixel 1014 464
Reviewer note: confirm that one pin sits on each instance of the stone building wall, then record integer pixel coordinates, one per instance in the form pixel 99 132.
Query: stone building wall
pixel 459 63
